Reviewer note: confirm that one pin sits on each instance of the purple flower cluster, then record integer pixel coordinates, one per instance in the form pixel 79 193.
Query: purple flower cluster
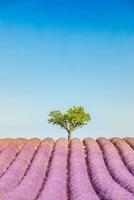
pixel 15 173
pixel 55 186
pixel 31 184
pixel 115 165
pixel 80 185
pixel 102 181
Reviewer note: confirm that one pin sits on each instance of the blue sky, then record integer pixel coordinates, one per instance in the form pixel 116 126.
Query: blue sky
pixel 56 54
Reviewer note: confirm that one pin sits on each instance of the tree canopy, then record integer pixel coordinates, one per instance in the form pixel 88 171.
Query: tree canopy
pixel 73 119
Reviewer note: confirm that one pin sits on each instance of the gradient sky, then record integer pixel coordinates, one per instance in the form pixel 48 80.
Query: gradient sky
pixel 56 54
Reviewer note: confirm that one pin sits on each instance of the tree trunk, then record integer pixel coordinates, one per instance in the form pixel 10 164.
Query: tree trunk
pixel 69 136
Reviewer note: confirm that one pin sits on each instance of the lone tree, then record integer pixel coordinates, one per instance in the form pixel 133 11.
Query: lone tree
pixel 73 119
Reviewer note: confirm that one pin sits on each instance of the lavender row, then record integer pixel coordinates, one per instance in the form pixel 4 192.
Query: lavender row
pixel 80 185
pixel 9 153
pixel 4 142
pixel 115 165
pixel 16 172
pixel 126 152
pixel 130 141
pixel 56 187
pixel 30 186
pixel 103 183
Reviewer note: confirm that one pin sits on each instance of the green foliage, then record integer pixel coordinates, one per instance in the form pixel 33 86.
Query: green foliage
pixel 73 119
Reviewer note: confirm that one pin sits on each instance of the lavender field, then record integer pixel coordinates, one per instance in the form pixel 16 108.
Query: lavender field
pixel 55 170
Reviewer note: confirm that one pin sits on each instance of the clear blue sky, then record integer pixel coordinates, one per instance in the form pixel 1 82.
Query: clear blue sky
pixel 56 54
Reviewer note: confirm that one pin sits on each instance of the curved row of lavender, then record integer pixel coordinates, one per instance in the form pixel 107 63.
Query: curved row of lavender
pixel 79 174
pixel 9 153
pixel 115 165
pixel 16 172
pixel 55 186
pixel 126 152
pixel 4 142
pixel 32 182
pixel 103 182
pixel 48 170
